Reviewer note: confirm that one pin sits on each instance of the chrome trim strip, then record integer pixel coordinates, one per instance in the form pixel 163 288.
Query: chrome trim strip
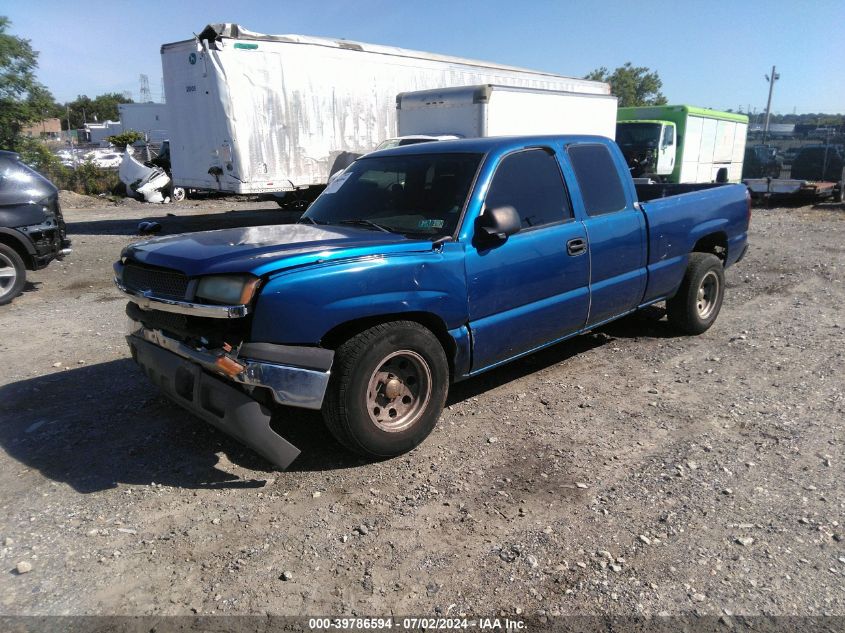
pixel 148 301
pixel 291 386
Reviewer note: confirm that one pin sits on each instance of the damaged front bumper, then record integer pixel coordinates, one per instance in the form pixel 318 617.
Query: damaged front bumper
pixel 195 379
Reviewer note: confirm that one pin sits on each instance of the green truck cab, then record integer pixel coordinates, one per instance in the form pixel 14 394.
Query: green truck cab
pixel 682 143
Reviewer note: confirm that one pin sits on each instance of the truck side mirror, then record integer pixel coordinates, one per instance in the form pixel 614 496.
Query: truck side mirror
pixel 499 223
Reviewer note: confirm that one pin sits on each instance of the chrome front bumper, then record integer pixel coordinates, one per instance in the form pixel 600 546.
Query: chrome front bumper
pixel 191 379
pixel 289 385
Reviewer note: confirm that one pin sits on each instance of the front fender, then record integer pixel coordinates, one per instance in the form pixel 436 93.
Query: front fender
pixel 19 238
pixel 300 306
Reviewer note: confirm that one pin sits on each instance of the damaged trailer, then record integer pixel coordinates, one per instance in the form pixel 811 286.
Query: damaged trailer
pixel 253 113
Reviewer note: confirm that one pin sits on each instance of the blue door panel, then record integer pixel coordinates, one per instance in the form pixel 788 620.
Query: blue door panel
pixel 526 290
pixel 617 263
pixel 508 334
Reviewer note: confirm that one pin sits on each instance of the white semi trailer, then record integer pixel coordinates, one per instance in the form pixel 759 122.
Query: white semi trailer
pixel 492 110
pixel 253 113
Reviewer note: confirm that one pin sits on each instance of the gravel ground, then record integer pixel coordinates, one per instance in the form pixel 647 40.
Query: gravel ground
pixel 630 471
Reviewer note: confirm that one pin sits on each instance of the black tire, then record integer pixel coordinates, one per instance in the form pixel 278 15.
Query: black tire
pixel 697 303
pixel 13 272
pixel 351 397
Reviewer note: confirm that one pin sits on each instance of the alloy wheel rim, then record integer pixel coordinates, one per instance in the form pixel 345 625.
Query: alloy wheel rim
pixel 8 275
pixel 398 391
pixel 708 293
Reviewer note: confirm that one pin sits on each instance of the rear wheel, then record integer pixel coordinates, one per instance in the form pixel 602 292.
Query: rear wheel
pixel 12 274
pixel 387 390
pixel 697 303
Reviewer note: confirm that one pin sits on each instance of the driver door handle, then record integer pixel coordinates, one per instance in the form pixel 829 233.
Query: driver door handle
pixel 576 246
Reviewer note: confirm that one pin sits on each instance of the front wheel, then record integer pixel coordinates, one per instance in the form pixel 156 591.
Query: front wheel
pixel 12 274
pixel 387 390
pixel 696 305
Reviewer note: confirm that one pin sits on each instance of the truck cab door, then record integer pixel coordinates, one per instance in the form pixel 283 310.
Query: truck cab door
pixel 666 150
pixel 616 232
pixel 529 288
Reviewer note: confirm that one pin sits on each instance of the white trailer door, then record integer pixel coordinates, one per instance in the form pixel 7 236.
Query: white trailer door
pixel 706 150
pixel 692 148
pixel 724 142
pixel 738 153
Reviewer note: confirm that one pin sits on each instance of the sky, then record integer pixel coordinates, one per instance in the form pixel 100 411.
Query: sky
pixel 712 54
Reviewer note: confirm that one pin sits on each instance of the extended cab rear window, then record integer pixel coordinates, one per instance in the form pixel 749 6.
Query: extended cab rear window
pixel 598 178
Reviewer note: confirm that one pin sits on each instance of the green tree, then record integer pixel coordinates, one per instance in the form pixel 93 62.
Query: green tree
pixel 22 99
pixel 83 109
pixel 632 85
pixel 123 139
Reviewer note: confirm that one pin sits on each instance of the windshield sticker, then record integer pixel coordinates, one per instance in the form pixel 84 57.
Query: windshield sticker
pixel 430 224
pixel 337 183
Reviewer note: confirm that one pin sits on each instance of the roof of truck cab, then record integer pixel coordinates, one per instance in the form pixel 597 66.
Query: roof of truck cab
pixel 484 145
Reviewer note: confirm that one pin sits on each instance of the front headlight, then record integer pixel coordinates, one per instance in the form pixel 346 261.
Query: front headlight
pixel 228 289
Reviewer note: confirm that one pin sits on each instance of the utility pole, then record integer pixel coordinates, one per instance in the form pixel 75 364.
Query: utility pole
pixel 771 79
pixel 70 138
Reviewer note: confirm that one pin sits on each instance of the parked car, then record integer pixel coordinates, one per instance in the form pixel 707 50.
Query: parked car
pixel 819 162
pixel 32 229
pixel 419 266
pixel 761 161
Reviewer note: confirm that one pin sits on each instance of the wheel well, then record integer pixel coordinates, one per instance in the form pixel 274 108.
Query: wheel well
pixel 19 248
pixel 343 332
pixel 715 243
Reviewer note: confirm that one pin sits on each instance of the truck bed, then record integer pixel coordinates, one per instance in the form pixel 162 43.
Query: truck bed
pixel 676 224
pixel 647 192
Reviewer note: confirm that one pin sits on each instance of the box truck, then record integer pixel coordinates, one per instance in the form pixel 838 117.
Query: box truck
pixel 682 143
pixel 253 113
pixel 496 110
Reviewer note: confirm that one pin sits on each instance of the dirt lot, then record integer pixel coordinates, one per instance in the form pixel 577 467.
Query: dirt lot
pixel 630 471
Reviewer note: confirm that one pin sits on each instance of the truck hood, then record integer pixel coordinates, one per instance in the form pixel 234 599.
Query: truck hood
pixel 261 250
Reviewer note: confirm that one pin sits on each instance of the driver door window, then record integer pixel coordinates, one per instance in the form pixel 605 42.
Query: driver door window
pixel 528 289
pixel 530 181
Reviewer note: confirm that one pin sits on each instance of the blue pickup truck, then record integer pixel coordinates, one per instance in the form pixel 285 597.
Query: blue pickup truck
pixel 416 267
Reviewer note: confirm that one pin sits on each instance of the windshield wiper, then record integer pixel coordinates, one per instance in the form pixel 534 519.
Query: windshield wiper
pixel 368 223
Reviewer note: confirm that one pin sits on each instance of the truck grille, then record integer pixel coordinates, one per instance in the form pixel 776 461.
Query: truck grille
pixel 161 282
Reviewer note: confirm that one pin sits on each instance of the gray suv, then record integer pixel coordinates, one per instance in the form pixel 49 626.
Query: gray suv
pixel 32 229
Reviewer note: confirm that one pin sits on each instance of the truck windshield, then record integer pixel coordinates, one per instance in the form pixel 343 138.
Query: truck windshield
pixel 420 194
pixel 637 134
